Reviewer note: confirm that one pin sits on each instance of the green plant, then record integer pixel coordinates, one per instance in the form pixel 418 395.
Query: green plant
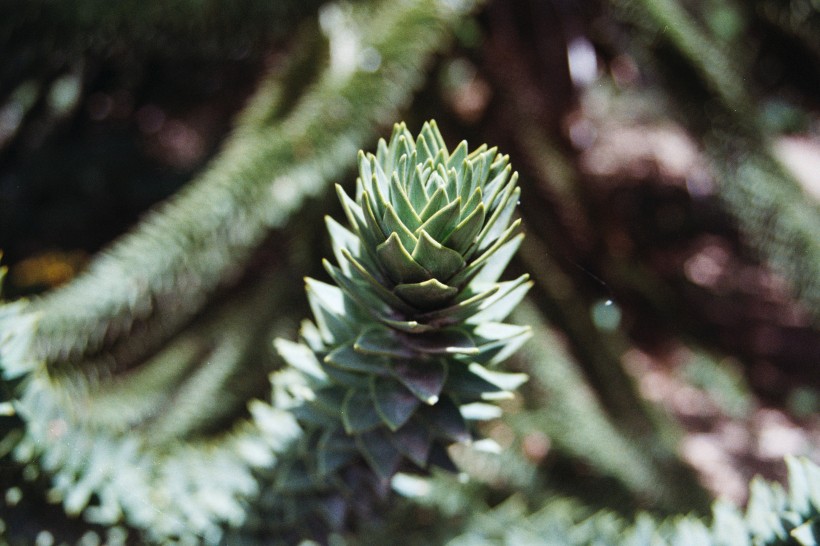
pixel 400 358
pixel 135 405
pixel 774 517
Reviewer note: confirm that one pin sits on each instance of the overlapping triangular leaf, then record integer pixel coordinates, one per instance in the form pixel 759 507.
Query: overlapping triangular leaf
pixel 358 412
pixel 394 402
pixel 379 452
pixel 424 379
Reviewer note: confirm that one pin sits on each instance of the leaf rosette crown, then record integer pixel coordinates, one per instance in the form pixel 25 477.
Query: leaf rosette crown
pixel 425 223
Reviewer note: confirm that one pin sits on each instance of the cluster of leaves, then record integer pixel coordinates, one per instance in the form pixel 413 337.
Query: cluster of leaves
pixel 401 354
pixel 398 363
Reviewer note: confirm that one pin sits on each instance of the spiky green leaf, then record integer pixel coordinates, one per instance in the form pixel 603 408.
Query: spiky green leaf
pixel 398 262
pixel 393 224
pixel 358 412
pixel 445 341
pixel 379 452
pixel 440 261
pixel 426 295
pixel 347 358
pixel 464 234
pixel 438 200
pixel 425 379
pixel 446 421
pixel 381 341
pixel 441 224
pixel 394 402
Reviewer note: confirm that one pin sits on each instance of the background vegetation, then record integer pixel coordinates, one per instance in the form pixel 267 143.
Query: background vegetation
pixel 164 172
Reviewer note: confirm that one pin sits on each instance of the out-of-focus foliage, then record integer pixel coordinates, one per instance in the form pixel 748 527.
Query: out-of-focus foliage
pixel 773 517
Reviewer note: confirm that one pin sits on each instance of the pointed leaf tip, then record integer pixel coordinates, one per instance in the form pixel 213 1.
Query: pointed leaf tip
pixel 427 295
pixel 399 264
pixel 436 258
pixel 424 379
